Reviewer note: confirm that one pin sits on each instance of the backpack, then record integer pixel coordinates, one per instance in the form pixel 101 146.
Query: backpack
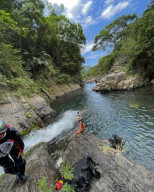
pixel 84 171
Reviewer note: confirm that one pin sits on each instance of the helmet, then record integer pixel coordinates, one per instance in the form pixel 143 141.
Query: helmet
pixel 2 126
pixel 111 140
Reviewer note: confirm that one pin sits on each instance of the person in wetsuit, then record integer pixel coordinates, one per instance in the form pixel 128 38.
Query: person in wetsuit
pixel 11 152
pixel 81 125
pixel 116 141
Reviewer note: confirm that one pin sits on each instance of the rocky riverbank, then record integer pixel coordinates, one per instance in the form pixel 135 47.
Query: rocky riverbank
pixel 25 113
pixel 117 80
pixel 118 172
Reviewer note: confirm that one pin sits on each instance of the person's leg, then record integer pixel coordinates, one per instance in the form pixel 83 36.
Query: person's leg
pixel 8 165
pixel 19 162
pixel 82 132
pixel 76 133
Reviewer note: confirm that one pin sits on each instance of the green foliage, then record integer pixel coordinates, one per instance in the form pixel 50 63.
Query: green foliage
pixel 31 150
pixel 42 185
pixel 130 39
pixel 2 177
pixel 113 32
pixel 67 171
pixel 63 78
pixel 68 188
pixel 10 61
pixel 103 66
pixel 34 47
pixel 28 115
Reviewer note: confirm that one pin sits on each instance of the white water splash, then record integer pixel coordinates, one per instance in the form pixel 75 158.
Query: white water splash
pixel 51 131
pixel 65 122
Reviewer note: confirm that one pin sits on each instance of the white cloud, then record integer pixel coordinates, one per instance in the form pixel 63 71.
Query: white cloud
pixel 86 7
pixel 93 56
pixel 87 48
pixel 87 21
pixel 111 10
pixel 73 8
pixel 109 1
pixel 67 3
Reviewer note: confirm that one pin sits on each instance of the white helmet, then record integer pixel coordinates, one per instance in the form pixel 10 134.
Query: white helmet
pixel 3 128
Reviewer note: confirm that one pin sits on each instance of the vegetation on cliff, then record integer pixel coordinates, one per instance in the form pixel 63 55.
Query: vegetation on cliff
pixel 38 47
pixel 130 41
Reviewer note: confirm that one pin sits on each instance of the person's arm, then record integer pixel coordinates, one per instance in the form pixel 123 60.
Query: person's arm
pixel 80 116
pixel 16 137
pixel 105 141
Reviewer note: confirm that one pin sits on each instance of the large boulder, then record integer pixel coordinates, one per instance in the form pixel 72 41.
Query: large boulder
pixel 42 108
pixel 117 81
pixel 118 172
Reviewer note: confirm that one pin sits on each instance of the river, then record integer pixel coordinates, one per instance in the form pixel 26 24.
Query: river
pixel 130 114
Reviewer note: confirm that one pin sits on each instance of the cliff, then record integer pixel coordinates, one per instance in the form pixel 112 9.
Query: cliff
pixel 27 113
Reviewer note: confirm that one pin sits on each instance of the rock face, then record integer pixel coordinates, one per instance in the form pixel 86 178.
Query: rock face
pixel 25 114
pixel 117 81
pixel 42 108
pixel 39 165
pixel 152 82
pixel 118 172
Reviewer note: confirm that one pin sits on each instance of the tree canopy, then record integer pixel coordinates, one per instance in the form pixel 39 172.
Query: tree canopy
pixel 39 41
pixel 113 32
pixel 131 40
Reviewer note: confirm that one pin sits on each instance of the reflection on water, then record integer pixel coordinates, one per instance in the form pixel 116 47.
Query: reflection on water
pixel 129 114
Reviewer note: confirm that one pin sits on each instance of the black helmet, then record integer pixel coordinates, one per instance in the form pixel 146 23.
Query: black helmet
pixel 111 140
pixel 2 126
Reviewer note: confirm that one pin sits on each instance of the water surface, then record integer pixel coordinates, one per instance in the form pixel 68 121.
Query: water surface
pixel 129 114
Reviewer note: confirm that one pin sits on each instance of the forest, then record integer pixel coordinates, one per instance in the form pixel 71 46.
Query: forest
pixel 38 46
pixel 129 41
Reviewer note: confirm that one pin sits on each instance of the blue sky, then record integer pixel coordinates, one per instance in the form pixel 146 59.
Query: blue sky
pixel 94 15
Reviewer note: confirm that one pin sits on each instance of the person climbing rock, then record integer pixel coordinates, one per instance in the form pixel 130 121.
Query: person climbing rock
pixel 116 141
pixel 11 152
pixel 81 125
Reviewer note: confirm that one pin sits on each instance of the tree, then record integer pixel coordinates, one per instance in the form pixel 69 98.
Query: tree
pixel 113 32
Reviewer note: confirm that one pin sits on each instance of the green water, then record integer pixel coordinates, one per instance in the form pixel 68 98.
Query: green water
pixel 129 114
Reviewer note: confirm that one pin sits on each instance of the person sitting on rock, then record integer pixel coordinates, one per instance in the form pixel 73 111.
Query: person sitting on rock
pixel 116 141
pixel 11 145
pixel 81 125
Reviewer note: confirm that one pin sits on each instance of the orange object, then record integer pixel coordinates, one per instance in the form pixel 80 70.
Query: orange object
pixel 81 129
pixel 59 185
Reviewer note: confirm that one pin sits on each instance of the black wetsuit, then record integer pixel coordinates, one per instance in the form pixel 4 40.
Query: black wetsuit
pixel 17 165
pixel 117 139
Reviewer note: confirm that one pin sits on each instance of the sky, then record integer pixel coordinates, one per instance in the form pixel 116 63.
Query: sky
pixel 94 15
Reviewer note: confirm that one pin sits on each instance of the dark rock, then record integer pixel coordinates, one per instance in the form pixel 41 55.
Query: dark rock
pixel 118 172
pixel 42 108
